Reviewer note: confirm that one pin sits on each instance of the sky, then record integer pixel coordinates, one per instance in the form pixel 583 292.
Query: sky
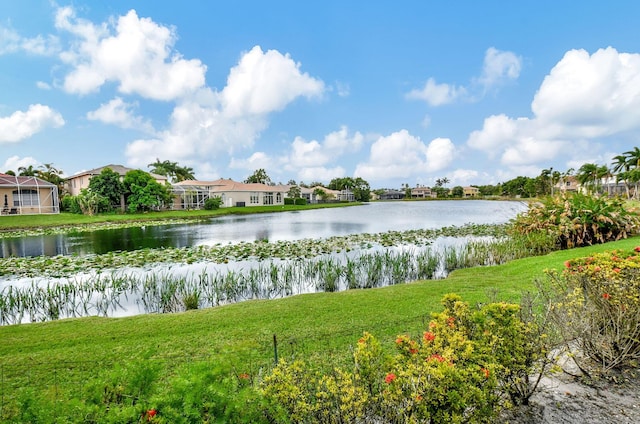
pixel 395 92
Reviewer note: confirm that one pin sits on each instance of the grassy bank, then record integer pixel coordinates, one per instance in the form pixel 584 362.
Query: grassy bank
pixel 60 356
pixel 13 222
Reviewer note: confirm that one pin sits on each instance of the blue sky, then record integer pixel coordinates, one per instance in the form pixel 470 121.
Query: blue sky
pixel 393 92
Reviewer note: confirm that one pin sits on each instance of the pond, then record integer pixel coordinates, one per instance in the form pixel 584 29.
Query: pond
pixel 170 268
pixel 375 217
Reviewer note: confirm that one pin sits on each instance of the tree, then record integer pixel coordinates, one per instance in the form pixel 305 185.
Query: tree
pixel 108 185
pixel 27 171
pixel 143 193
pixel 259 176
pixel 620 168
pixel 587 176
pixel 361 190
pixel 457 191
pixel 172 170
pixel 51 174
pixel 295 192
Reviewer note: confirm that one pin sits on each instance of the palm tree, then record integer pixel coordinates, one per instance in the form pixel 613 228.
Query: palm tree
pixel 633 162
pixel 587 176
pixel 28 171
pixel 620 168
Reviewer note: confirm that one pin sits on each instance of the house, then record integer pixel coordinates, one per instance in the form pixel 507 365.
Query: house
pixel 567 184
pixel 421 192
pixel 392 195
pixel 80 181
pixel 191 194
pixel 27 195
pixel 470 191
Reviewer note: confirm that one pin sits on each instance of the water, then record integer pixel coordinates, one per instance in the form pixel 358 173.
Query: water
pixel 318 223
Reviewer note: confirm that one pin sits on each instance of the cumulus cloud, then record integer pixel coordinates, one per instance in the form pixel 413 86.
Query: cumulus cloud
pixel 400 155
pixel 584 97
pixel 15 162
pixel 318 153
pixel 21 125
pixel 437 94
pixel 499 66
pixel 209 122
pixel 135 53
pixel 258 160
pixel 265 82
pixel 120 113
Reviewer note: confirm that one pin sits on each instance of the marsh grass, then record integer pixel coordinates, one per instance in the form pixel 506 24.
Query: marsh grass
pixel 124 291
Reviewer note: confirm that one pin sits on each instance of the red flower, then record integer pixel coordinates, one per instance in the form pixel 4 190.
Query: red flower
pixel 437 357
pixel 389 378
pixel 485 372
pixel 606 296
pixel 450 321
pixel 150 414
pixel 399 340
pixel 567 264
pixel 429 336
pixel 637 249
pixel 413 351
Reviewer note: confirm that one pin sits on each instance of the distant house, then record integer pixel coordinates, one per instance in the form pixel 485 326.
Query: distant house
pixel 567 184
pixel 79 181
pixel 392 195
pixel 27 195
pixel 422 192
pixel 470 191
pixel 191 194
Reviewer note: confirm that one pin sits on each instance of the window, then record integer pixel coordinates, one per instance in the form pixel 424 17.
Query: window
pixel 268 199
pixel 254 198
pixel 278 197
pixel 26 197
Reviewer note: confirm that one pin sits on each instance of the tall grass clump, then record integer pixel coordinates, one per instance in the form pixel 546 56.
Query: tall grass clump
pixel 576 220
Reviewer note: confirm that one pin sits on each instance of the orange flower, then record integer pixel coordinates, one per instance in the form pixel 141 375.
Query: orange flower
pixel 429 336
pixel 567 264
pixel 436 357
pixel 389 378
pixel 486 372
pixel 606 296
pixel 244 376
pixel 616 269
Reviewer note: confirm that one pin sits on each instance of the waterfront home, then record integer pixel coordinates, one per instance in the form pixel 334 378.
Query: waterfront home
pixel 27 195
pixel 191 194
pixel 77 182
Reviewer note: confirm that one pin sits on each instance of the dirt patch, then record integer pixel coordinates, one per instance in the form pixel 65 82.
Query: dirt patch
pixel 563 398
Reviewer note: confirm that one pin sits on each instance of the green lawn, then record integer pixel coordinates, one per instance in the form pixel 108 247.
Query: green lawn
pixel 60 355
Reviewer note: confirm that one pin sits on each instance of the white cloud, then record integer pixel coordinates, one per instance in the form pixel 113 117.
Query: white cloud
pixel 15 162
pixel 118 112
pixel 499 66
pixel 584 97
pixel 401 155
pixel 314 153
pixel 320 173
pixel 210 123
pixel 43 85
pixel 12 42
pixel 463 177
pixel 257 160
pixel 265 82
pixel 437 94
pixel 134 52
pixel 21 125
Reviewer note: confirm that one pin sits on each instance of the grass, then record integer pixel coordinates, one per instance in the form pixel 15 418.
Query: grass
pixel 60 355
pixel 13 222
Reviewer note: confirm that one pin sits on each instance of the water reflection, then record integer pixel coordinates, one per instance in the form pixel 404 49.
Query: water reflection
pixel 317 223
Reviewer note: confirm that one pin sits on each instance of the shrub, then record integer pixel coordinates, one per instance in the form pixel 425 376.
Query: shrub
pixel 289 201
pixel 301 201
pixel 212 203
pixel 595 305
pixel 578 220
pixel 70 204
pixel 462 369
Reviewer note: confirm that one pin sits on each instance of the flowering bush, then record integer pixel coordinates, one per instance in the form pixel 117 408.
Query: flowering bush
pixel 595 303
pixel 461 369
